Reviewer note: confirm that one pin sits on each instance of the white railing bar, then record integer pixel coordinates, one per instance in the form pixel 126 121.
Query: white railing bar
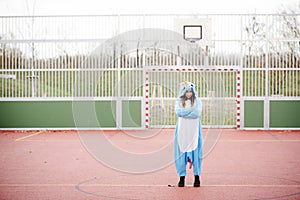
pixel 52 40
pixel 67 69
pixel 271 69
pixel 152 14
pixel 109 98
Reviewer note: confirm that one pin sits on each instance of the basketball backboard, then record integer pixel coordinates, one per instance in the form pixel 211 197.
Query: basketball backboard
pixel 194 30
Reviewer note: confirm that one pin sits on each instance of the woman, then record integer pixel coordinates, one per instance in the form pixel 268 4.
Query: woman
pixel 188 133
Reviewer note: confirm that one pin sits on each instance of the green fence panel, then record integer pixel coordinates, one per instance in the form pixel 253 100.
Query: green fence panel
pixel 253 114
pixel 285 114
pixel 131 113
pixel 57 114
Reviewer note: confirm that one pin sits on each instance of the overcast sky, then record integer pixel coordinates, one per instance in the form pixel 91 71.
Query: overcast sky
pixel 98 7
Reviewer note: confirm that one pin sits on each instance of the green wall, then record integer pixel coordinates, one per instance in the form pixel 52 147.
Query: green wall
pixel 131 113
pixel 253 114
pixel 285 114
pixel 102 114
pixel 57 114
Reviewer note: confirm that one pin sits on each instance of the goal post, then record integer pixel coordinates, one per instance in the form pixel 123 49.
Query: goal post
pixel 150 78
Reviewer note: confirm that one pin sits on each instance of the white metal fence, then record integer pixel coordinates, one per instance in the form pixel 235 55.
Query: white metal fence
pixel 50 58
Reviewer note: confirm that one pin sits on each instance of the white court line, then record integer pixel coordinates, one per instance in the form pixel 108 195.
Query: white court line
pixel 27 136
pixel 138 185
pixel 46 140
pixel 259 140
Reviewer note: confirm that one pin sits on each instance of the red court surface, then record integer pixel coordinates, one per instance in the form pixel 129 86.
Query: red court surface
pixel 56 165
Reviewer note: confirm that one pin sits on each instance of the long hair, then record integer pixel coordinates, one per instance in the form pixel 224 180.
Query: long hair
pixel 184 99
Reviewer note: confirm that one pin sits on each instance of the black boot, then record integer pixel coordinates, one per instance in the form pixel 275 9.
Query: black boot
pixel 181 181
pixel 197 181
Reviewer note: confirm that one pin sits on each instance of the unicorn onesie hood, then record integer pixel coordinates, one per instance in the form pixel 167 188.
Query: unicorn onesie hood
pixel 188 132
